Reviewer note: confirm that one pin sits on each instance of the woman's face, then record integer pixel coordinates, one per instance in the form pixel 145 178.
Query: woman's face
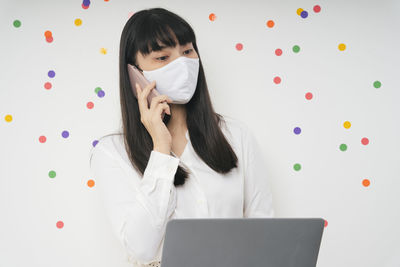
pixel 158 59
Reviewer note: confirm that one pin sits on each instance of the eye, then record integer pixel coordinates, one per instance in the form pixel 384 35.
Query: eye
pixel 190 50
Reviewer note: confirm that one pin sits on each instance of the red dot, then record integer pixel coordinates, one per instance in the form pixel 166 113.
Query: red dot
pixel 90 105
pixel 309 96
pixel 278 52
pixel 47 85
pixel 60 224
pixel 277 80
pixel 49 39
pixel 84 7
pixel 365 141
pixel 42 139
pixel 317 8
pixel 326 223
pixel 239 46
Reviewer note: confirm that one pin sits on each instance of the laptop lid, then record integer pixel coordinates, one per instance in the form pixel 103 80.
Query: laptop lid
pixel 242 242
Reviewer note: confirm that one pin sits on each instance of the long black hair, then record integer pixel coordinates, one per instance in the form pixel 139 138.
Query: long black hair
pixel 141 33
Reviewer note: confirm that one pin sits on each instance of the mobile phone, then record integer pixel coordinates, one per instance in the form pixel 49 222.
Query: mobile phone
pixel 135 76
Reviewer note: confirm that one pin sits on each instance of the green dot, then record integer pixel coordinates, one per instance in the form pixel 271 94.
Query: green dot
pixel 297 167
pixel 377 84
pixel 52 174
pixel 296 48
pixel 97 90
pixel 17 23
pixel 343 147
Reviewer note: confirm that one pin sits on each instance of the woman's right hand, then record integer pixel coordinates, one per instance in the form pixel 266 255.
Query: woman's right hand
pixel 151 117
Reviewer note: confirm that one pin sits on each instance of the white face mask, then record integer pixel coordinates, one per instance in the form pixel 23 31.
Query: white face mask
pixel 177 79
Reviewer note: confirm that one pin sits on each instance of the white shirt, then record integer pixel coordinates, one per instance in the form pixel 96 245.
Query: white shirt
pixel 139 208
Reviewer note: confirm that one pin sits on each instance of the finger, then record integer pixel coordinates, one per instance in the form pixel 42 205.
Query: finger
pixel 162 107
pixel 158 99
pixel 148 88
pixel 141 100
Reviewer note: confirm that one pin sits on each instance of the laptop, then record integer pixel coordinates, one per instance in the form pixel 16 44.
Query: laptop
pixel 242 242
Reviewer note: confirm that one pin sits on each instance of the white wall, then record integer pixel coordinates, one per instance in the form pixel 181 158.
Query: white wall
pixel 362 221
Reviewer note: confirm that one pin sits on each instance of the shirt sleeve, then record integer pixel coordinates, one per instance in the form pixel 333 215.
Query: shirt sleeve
pixel 257 192
pixel 138 211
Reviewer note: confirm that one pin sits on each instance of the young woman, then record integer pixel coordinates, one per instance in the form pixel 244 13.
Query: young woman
pixel 194 163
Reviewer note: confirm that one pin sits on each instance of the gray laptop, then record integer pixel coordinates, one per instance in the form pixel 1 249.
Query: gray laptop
pixel 242 242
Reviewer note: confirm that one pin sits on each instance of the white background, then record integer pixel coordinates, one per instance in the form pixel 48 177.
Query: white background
pixel 362 221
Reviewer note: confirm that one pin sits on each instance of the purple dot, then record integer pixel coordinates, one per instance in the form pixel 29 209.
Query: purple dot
pixel 297 130
pixel 101 93
pixel 51 73
pixel 95 143
pixel 65 134
pixel 86 2
pixel 304 14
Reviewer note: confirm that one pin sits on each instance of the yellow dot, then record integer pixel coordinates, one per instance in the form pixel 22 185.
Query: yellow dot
pixel 342 47
pixel 347 124
pixel 299 10
pixel 8 118
pixel 78 22
pixel 103 51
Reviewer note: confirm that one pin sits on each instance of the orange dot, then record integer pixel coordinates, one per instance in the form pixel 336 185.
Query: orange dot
pixel 270 23
pixel 212 17
pixel 105 0
pixel 366 182
pixel 90 183
pixel 47 85
pixel 48 33
pixel 90 105
pixel 42 139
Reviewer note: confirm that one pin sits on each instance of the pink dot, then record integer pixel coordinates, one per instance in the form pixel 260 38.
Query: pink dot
pixel 365 141
pixel 47 85
pixel 309 96
pixel 130 14
pixel 90 105
pixel 42 139
pixel 277 80
pixel 317 8
pixel 278 52
pixel 239 46
pixel 60 224
pixel 49 39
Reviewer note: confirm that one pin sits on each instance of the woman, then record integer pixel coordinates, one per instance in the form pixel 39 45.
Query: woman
pixel 194 163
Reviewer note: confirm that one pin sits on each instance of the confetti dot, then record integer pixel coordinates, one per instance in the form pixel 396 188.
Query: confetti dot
pixel 130 14
pixel 270 23
pixel 317 8
pixel 365 141
pixel 297 130
pixel 42 139
pixel 85 7
pixel 97 89
pixel 90 183
pixel 52 174
pixel 105 0
pixel 51 73
pixel 365 182
pixel 49 39
pixel 377 84
pixel 101 93
pixel 347 124
pixel 342 47
pixel 78 22
pixel 297 167
pixel 86 2
pixel 277 80
pixel 47 85
pixel 103 50
pixel 8 118
pixel 304 14
pixel 65 134
pixel 60 224
pixel 48 34
pixel 343 147
pixel 95 143
pixel 298 11
pixel 239 46
pixel 17 23
pixel 212 17
pixel 326 223
pixel 278 52
pixel 309 96
pixel 90 105
pixel 296 48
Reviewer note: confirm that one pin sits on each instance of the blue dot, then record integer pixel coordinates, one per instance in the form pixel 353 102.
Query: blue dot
pixel 86 2
pixel 101 93
pixel 65 134
pixel 304 14
pixel 95 143
pixel 51 73
pixel 297 130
